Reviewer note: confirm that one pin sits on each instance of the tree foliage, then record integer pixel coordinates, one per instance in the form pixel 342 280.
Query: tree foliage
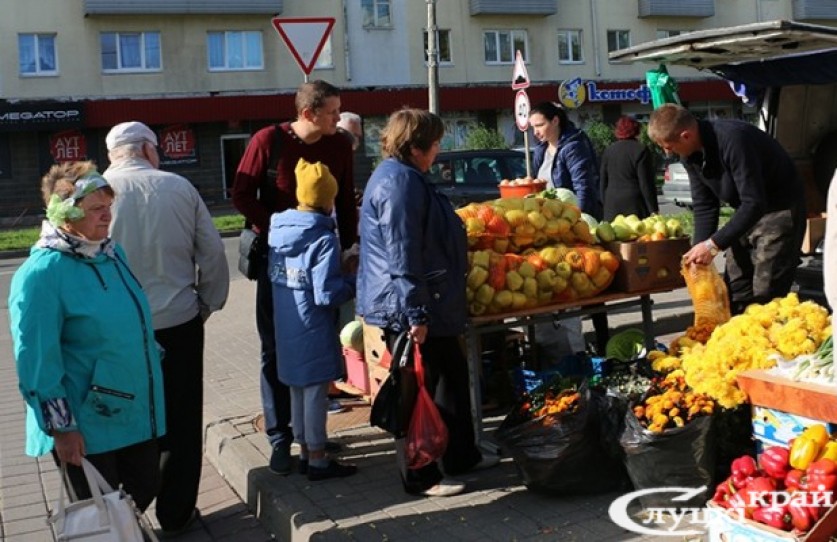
pixel 600 134
pixel 483 137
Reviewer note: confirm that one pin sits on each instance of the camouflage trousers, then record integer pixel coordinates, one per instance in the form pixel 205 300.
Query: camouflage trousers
pixel 761 264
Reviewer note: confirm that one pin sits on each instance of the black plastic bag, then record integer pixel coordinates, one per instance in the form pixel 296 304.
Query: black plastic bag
pixel 563 453
pixel 679 457
pixel 394 402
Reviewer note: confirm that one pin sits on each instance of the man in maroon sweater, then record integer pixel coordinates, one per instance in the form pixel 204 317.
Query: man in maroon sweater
pixel 313 136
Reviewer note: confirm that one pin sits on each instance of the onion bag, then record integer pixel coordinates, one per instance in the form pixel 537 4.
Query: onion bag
pixel 709 295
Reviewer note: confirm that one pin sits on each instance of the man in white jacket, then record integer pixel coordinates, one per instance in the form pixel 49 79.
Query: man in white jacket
pixel 178 256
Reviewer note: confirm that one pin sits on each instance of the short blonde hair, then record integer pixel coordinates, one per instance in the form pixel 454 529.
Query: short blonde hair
pixel 61 179
pixel 668 121
pixel 409 128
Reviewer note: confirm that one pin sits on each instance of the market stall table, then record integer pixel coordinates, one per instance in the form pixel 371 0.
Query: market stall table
pixel 607 301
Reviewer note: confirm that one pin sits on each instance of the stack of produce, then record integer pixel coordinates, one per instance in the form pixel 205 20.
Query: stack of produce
pixel 498 283
pixel 785 327
pixel 556 396
pixel 670 403
pixel 633 228
pixel 516 224
pixel 788 489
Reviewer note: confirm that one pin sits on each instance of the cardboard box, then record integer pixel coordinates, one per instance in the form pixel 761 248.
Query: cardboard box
pixel 773 427
pixel 814 232
pixel 373 344
pixel 653 264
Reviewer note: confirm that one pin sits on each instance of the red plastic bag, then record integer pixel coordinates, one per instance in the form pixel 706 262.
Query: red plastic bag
pixel 427 434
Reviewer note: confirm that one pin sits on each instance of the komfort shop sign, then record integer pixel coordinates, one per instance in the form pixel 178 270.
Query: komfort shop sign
pixel 22 116
pixel 573 93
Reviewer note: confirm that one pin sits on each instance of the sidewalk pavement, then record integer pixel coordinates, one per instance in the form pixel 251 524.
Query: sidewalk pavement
pixel 241 500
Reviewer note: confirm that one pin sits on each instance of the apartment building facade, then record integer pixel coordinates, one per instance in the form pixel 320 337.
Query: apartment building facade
pixel 205 74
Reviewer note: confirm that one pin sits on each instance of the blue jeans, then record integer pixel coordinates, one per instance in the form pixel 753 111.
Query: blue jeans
pixel 276 397
pixel 309 415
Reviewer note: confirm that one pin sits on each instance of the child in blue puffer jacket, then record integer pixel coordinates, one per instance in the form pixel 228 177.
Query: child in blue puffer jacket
pixel 308 288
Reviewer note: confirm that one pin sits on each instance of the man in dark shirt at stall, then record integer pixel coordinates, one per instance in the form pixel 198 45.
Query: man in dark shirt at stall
pixel 734 162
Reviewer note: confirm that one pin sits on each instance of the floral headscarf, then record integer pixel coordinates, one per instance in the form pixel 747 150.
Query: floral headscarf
pixel 60 211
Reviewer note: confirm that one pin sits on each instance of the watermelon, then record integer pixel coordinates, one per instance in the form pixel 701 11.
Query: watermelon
pixel 625 345
pixel 351 336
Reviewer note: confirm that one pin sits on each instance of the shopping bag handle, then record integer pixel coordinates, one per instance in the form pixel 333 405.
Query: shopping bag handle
pixel 96 482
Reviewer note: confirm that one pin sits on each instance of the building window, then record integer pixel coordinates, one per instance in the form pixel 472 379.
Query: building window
pixel 130 51
pixel 36 54
pixel 669 33
pixel 325 60
pixel 376 13
pixel 618 39
pixel 442 44
pixel 235 50
pixel 569 47
pixel 500 46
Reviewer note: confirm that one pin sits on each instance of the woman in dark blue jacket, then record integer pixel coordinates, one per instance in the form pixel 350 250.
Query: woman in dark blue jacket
pixel 565 156
pixel 413 261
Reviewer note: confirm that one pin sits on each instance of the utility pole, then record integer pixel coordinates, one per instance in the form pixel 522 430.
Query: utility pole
pixel 432 58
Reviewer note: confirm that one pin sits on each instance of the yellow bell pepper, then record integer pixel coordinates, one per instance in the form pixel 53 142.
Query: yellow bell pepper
pixel 818 433
pixel 807 446
pixel 829 451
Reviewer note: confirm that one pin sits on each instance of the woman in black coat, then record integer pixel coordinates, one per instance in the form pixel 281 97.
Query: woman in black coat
pixel 627 174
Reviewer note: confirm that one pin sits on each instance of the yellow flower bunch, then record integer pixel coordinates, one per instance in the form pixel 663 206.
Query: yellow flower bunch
pixel 785 326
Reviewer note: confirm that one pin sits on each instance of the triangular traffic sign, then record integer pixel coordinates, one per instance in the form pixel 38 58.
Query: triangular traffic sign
pixel 305 37
pixel 520 79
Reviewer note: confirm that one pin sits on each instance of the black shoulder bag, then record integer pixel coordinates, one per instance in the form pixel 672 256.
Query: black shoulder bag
pixel 394 402
pixel 252 247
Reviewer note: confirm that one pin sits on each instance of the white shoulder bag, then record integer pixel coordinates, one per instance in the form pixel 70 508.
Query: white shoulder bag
pixel 108 516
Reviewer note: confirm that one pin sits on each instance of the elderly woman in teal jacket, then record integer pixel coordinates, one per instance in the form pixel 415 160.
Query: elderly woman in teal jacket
pixel 87 363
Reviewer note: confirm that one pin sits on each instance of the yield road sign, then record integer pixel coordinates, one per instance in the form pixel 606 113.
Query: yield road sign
pixel 521 110
pixel 305 37
pixel 520 78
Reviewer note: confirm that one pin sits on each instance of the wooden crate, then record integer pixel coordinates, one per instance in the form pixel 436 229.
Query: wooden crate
pixel 817 401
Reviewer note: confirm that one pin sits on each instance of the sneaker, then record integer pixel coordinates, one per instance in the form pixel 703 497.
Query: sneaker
pixel 488 460
pixel 445 488
pixel 332 447
pixel 303 466
pixel 333 470
pixel 334 406
pixel 280 460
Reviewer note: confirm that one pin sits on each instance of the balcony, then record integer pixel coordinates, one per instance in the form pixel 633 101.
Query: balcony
pixel 182 7
pixel 514 7
pixel 807 10
pixel 676 8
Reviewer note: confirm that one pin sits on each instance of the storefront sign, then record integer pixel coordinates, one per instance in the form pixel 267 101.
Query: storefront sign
pixel 178 146
pixel 68 146
pixel 40 115
pixel 573 93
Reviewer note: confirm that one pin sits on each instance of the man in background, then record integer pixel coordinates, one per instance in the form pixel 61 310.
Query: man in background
pixel 177 254
pixel 352 124
pixel 257 194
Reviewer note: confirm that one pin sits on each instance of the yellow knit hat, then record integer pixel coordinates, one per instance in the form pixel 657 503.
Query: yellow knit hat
pixel 315 185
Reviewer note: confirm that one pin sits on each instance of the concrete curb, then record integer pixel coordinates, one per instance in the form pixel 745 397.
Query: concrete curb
pixel 239 460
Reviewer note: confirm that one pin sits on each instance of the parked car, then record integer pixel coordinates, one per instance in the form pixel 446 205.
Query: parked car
pixel 676 185
pixel 474 175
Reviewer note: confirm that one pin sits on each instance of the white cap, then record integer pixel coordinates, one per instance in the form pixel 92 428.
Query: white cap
pixel 129 132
